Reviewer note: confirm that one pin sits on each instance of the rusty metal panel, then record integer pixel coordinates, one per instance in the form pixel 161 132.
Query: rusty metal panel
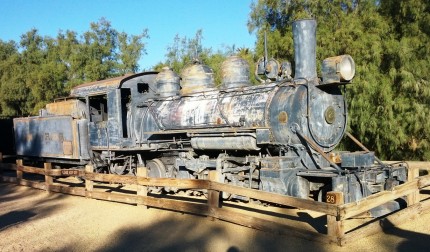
pixel 43 136
pixel 74 108
pixel 67 148
pixel 97 87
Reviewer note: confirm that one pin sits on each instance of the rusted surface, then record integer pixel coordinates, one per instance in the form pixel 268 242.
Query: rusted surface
pixel 74 108
pixel 235 72
pixel 97 86
pixel 197 78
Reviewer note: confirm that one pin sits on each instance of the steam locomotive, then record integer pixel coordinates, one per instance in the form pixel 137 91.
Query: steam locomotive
pixel 279 136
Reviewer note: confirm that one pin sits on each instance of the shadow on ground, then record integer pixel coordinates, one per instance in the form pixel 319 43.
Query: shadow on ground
pixel 412 241
pixel 12 195
pixel 176 235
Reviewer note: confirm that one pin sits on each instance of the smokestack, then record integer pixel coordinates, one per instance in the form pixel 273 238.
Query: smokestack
pixel 304 34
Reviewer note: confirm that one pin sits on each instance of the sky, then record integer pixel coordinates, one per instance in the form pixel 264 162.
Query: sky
pixel 223 22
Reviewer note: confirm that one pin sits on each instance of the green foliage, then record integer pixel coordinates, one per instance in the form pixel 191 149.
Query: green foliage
pixel 185 51
pixel 389 101
pixel 40 69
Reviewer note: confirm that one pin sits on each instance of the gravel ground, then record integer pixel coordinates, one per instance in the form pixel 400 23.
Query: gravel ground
pixel 34 220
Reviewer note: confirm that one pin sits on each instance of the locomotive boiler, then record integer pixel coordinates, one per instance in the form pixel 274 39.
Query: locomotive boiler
pixel 279 136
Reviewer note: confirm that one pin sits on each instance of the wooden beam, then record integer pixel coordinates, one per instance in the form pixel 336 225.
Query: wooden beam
pixel 354 208
pixel 33 184
pixel 414 197
pixel 424 181
pixel 335 227
pixel 142 171
pixel 30 169
pixel 111 178
pixel 19 173
pixel 48 179
pixel 277 198
pixel 172 182
pixel 130 199
pixel 423 165
pixel 89 184
pixel 214 199
pixel 383 224
pixel 78 191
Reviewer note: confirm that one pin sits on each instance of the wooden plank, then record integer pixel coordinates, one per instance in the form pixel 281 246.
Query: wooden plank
pixel 172 182
pixel 424 181
pixel 1 167
pixel 89 184
pixel 30 169
pixel 111 178
pixel 277 198
pixel 18 172
pixel 78 191
pixel 335 227
pixel 67 172
pixel 381 225
pixel 48 179
pixel 176 205
pixel 423 165
pixel 414 197
pixel 33 184
pixel 142 171
pixel 354 208
pixel 130 199
pixel 214 199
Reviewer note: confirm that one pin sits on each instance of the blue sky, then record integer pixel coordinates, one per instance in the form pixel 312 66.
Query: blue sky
pixel 223 22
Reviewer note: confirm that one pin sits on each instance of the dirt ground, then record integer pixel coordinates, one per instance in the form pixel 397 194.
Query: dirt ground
pixel 34 220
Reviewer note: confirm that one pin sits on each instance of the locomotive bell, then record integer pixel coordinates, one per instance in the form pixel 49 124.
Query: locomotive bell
pixel 167 83
pixel 197 78
pixel 235 72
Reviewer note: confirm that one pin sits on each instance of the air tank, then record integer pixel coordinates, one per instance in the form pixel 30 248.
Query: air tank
pixel 167 83
pixel 197 78
pixel 235 72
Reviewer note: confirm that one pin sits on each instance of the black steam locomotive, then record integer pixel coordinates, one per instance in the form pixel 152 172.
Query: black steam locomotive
pixel 278 136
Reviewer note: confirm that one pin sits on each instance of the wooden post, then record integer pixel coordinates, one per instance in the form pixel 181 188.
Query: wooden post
pixel 142 171
pixel 335 227
pixel 214 199
pixel 89 184
pixel 18 173
pixel 48 179
pixel 413 198
pixel 1 166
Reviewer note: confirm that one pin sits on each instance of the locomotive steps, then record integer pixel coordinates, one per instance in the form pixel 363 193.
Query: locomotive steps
pixel 341 223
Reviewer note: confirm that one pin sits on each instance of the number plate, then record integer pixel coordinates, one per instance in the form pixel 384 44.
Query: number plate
pixel 334 198
pixel 70 172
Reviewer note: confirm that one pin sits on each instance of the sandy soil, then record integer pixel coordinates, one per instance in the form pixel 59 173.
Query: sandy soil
pixel 34 220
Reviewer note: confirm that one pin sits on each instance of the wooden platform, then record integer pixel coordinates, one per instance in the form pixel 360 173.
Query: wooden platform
pixel 341 219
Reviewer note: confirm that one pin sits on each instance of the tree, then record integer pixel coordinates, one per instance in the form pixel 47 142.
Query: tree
pixel 388 40
pixel 41 69
pixel 184 51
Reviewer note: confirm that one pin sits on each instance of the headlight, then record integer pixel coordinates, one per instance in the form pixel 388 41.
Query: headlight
pixel 338 69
